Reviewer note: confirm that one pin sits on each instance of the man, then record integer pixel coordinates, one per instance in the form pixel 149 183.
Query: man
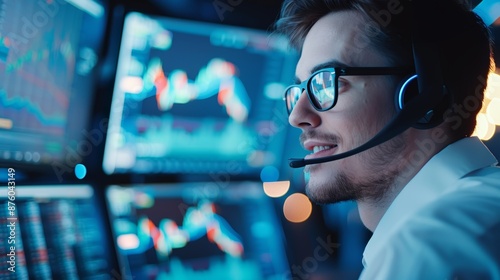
pixel 431 194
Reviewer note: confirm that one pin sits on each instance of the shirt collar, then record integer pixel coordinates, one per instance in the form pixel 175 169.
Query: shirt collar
pixel 437 176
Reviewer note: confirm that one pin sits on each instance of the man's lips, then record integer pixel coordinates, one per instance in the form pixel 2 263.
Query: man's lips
pixel 319 149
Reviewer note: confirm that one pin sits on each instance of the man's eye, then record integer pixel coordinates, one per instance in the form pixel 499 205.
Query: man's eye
pixel 342 85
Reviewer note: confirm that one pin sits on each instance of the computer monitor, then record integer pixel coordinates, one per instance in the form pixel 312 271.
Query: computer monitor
pixel 196 97
pixel 53 232
pixel 48 56
pixel 197 231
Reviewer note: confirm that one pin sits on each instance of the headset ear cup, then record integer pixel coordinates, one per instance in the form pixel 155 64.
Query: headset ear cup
pixel 406 91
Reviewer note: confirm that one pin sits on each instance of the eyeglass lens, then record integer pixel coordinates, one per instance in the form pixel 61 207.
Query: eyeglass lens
pixel 321 91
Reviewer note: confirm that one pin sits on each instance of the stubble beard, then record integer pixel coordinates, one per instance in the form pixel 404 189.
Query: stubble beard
pixel 384 169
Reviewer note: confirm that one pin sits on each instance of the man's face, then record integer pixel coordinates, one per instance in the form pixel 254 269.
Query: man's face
pixel 365 105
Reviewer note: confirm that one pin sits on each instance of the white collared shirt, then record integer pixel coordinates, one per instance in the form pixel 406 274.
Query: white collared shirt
pixel 445 223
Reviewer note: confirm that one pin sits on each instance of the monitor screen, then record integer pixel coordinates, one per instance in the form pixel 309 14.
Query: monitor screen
pixel 48 54
pixel 196 97
pixel 52 232
pixel 197 231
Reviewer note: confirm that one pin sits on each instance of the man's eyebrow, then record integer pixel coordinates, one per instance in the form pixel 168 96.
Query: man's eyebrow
pixel 328 64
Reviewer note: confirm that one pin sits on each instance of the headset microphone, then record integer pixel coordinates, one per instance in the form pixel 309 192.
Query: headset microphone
pixel 428 105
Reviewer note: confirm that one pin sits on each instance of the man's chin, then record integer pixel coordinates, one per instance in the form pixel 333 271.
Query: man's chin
pixel 327 193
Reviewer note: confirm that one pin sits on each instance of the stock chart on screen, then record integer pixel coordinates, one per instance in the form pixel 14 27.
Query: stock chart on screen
pixel 194 97
pixel 53 232
pixel 48 51
pixel 197 231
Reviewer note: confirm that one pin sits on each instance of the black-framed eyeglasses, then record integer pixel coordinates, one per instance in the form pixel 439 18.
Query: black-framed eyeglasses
pixel 322 87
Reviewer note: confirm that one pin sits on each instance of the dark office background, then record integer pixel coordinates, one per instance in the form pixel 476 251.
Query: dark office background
pixel 339 224
pixel 337 229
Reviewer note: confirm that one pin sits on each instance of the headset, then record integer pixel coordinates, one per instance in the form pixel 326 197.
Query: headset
pixel 423 97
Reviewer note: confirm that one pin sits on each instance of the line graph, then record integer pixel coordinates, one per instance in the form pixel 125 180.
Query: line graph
pixel 200 221
pixel 218 78
pixel 33 112
pixel 36 77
